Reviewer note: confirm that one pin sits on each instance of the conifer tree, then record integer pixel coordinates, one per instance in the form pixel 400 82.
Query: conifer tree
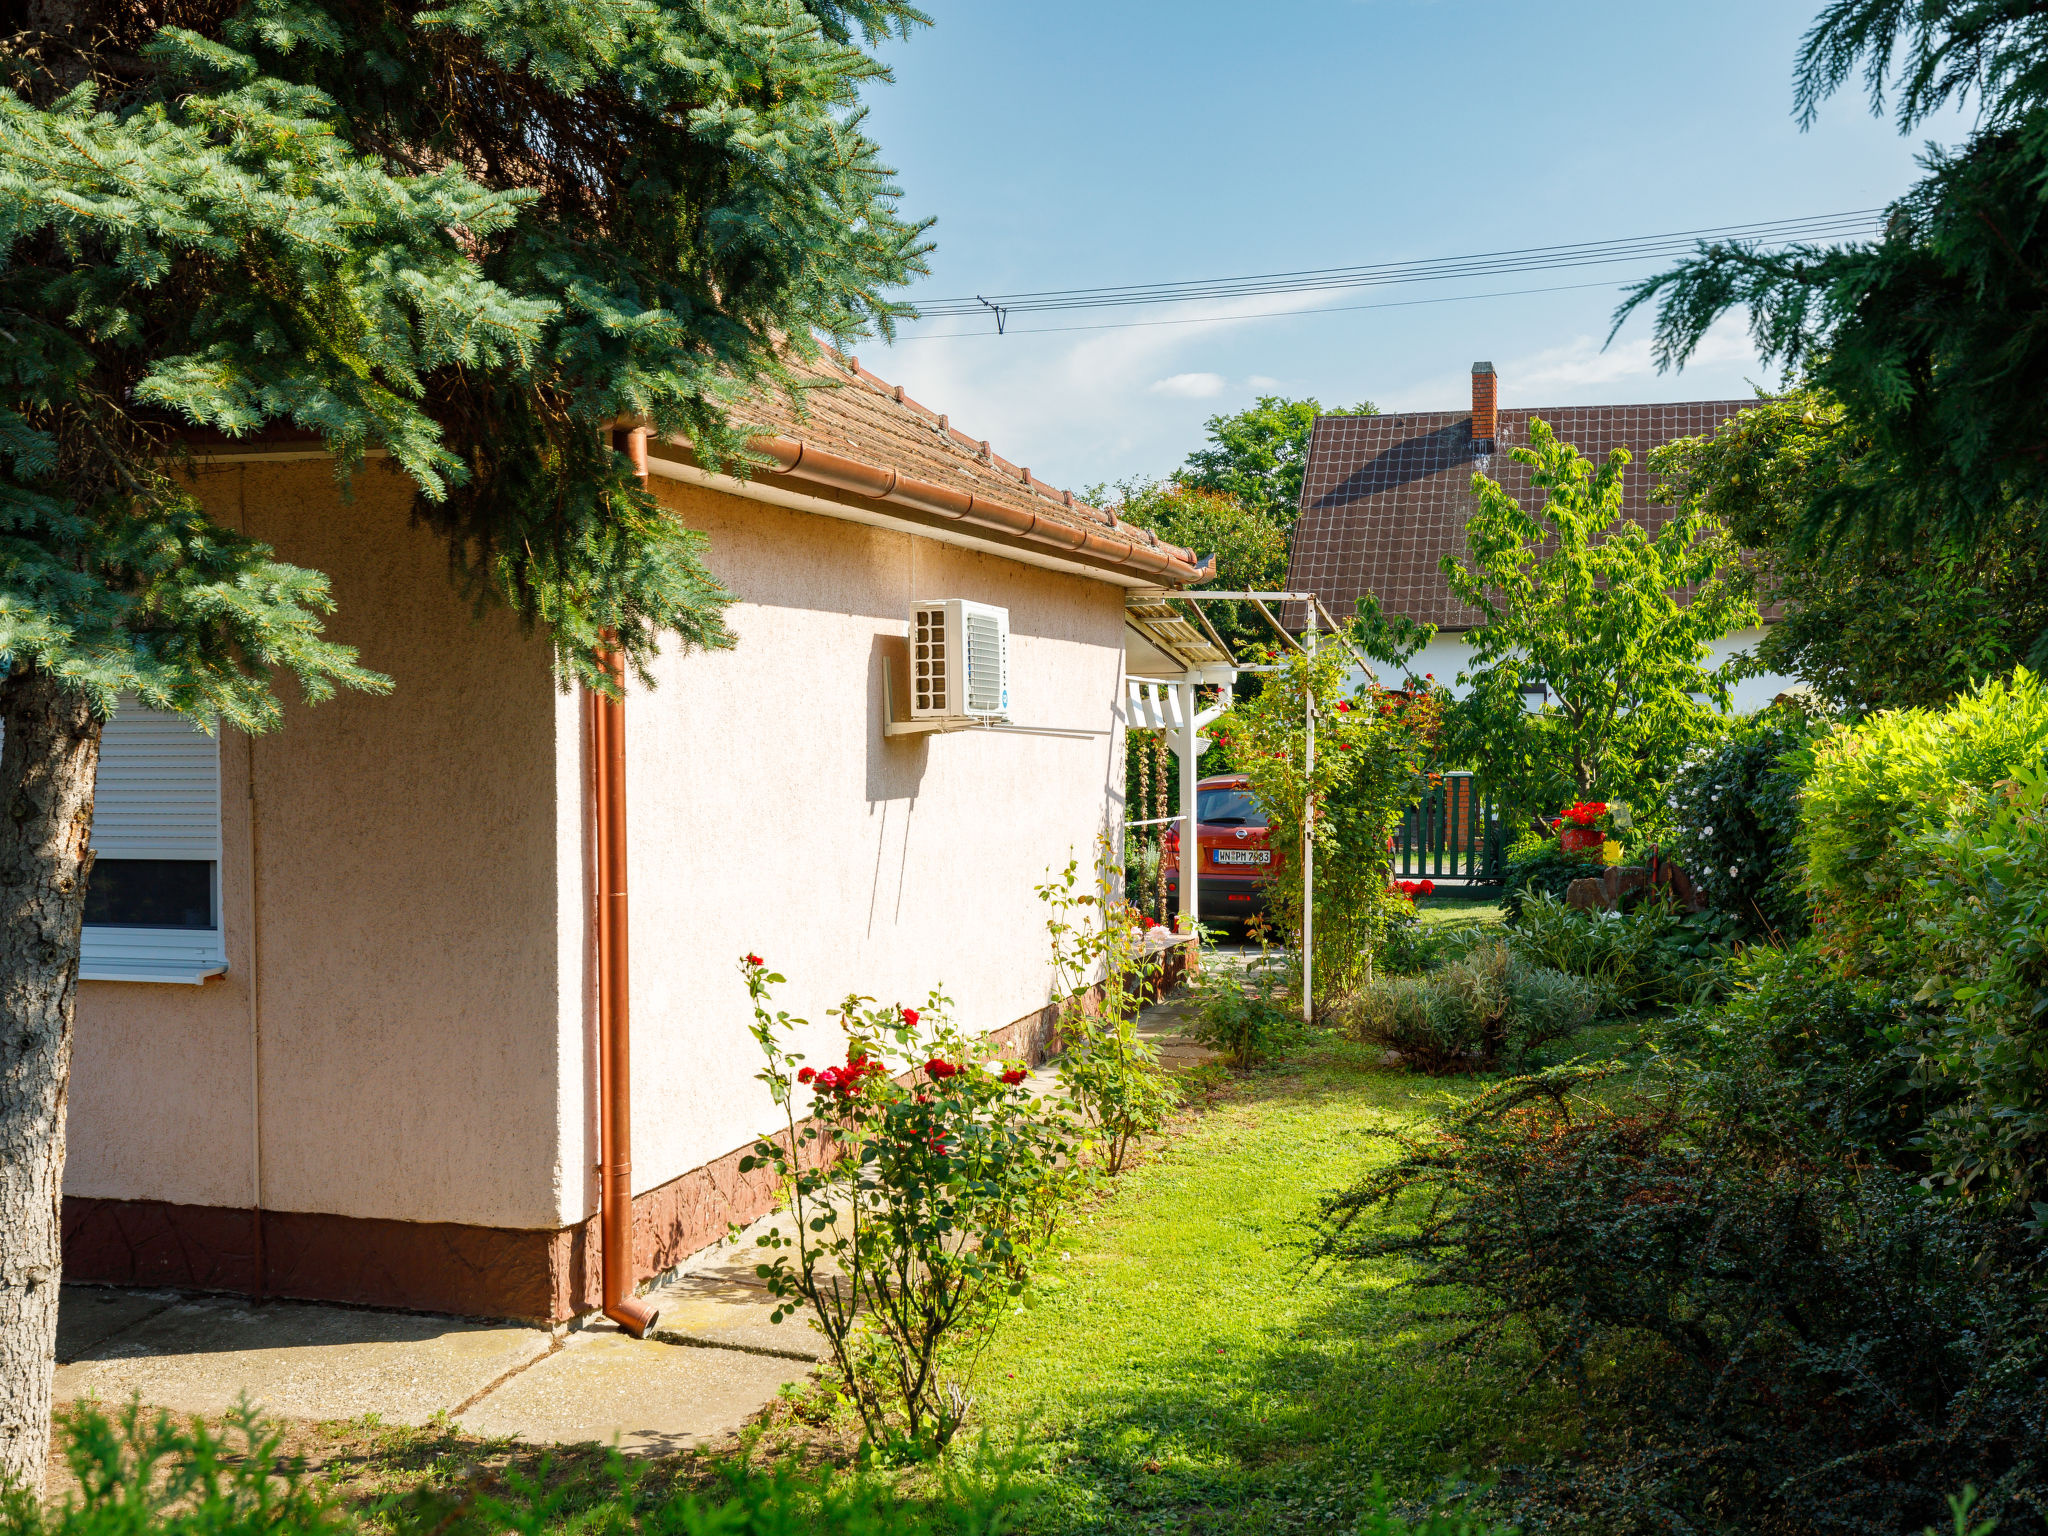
pixel 472 235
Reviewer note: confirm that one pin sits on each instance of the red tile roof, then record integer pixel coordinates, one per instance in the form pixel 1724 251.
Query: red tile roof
pixel 1384 498
pixel 858 415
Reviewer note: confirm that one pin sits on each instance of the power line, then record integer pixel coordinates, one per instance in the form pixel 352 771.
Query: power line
pixel 1264 314
pixel 1542 258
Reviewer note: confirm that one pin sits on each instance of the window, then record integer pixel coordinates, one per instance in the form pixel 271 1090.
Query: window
pixel 1228 808
pixel 152 909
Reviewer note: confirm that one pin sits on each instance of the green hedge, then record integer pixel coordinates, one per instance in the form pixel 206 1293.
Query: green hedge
pixel 1926 842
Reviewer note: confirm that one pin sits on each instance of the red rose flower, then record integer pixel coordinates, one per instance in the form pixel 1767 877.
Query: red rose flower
pixel 940 1069
pixel 806 1075
pixel 1015 1076
pixel 1343 708
pixel 909 1016
pixel 1428 887
pixel 756 960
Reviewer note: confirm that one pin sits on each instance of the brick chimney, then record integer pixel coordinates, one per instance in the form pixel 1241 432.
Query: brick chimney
pixel 1485 413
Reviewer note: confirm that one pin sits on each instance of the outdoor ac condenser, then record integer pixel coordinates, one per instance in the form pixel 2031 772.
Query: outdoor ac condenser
pixel 959 660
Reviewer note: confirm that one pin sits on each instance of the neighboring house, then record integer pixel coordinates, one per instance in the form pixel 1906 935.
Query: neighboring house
pixel 337 1035
pixel 1385 498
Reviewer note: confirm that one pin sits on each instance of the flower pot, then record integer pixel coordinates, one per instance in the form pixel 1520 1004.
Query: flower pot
pixel 1575 838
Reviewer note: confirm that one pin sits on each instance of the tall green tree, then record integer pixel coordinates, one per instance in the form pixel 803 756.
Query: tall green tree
pixel 1257 455
pixel 1613 624
pixel 473 235
pixel 1867 630
pixel 1930 336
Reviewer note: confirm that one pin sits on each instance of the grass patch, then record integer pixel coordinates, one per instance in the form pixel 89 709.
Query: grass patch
pixel 1181 1371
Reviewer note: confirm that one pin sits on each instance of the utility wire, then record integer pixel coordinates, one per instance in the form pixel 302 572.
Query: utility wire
pixel 1542 258
pixel 1263 314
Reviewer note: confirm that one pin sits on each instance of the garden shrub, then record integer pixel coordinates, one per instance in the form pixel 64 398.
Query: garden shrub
pixel 1734 821
pixel 1839 1051
pixel 1620 953
pixel 914 1204
pixel 1241 1017
pixel 1412 946
pixel 1872 783
pixel 141 1474
pixel 1926 835
pixel 1485 1007
pixel 1103 972
pixel 1540 866
pixel 1765 1341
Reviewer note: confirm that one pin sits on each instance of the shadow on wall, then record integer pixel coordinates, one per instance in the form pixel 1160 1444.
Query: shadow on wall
pixel 895 765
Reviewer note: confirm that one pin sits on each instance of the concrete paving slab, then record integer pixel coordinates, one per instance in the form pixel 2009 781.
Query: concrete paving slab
pixel 89 1315
pixel 713 1310
pixel 649 1396
pixel 300 1360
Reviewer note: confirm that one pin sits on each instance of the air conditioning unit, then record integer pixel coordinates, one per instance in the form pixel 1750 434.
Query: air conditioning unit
pixel 959 660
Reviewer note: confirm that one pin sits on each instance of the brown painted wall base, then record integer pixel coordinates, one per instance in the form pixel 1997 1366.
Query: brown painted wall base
pixel 532 1275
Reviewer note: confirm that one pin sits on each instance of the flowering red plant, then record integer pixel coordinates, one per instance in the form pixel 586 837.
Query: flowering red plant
pixel 1586 813
pixel 953 1180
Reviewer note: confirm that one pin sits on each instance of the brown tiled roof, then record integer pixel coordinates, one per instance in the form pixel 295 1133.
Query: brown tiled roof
pixel 1384 498
pixel 858 415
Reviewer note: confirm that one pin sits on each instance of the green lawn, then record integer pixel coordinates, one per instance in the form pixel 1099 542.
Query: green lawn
pixel 1182 1371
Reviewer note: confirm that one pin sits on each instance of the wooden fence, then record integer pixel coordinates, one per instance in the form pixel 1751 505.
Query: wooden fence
pixel 1455 834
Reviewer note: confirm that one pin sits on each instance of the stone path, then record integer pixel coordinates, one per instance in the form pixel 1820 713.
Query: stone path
pixel 712 1361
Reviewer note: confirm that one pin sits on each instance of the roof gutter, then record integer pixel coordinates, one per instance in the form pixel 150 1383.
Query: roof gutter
pixel 1121 544
pixel 607 727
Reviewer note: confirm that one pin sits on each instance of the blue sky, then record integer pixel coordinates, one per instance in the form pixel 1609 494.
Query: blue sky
pixel 1062 143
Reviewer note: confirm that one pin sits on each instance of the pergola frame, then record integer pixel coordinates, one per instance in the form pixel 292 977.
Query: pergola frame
pixel 1187 743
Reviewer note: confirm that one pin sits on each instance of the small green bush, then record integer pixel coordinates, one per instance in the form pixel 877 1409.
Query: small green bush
pixel 1244 1020
pixel 1618 952
pixel 1734 815
pixel 1472 1012
pixel 1539 866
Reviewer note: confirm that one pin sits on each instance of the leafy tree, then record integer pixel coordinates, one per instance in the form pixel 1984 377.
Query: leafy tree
pixel 473 236
pixel 1929 335
pixel 1885 629
pixel 1257 455
pixel 1613 621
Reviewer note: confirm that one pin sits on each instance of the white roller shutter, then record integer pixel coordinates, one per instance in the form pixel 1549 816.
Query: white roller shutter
pixel 158 798
pixel 159 788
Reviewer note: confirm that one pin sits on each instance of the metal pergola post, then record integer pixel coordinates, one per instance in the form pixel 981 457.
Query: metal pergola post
pixel 1308 834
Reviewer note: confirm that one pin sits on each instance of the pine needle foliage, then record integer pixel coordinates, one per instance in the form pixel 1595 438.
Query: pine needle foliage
pixel 1931 335
pixel 472 236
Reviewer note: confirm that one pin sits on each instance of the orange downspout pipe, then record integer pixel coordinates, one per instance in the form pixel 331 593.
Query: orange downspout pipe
pixel 607 719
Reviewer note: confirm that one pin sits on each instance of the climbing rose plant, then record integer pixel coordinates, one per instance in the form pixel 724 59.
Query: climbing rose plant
pixel 919 1181
pixel 1372 753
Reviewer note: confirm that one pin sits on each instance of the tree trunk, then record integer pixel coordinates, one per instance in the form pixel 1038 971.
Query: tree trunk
pixel 48 761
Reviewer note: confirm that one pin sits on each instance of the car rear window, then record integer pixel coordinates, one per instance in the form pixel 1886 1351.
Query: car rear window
pixel 1228 807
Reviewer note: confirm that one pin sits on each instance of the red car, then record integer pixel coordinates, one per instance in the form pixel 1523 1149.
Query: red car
pixel 1236 857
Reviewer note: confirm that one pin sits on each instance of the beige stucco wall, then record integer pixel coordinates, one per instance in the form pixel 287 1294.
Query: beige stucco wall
pixel 413 918
pixel 403 949
pixel 770 813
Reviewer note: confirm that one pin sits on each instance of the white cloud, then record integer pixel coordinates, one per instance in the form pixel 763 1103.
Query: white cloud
pixel 1583 363
pixel 1260 381
pixel 1188 386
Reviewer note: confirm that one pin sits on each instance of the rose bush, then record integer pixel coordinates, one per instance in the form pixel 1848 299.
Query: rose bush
pixel 916 1196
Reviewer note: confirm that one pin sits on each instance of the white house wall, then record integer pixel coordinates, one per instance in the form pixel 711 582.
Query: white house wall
pixel 769 813
pixel 1449 654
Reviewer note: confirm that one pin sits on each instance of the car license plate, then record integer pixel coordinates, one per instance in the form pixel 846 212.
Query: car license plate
pixel 1244 856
